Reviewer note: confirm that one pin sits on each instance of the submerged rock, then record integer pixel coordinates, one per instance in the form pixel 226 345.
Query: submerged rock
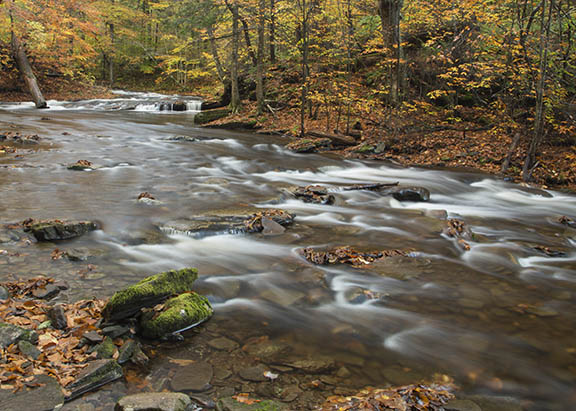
pixel 97 374
pixel 154 401
pixel 232 404
pixel 177 314
pixel 148 292
pixel 55 230
pixel 10 334
pixel 193 378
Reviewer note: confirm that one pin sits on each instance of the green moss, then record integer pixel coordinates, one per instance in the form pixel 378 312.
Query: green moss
pixel 148 292
pixel 365 149
pixel 106 349
pixel 178 313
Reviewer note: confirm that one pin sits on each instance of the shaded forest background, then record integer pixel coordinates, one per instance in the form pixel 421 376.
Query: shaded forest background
pixel 471 82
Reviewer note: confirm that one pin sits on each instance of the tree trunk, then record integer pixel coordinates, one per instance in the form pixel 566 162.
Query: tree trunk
pixel 530 162
pixel 235 100
pixel 111 57
pixel 272 32
pixel 260 57
pixel 215 55
pixel 246 31
pixel 27 73
pixel 389 11
pixel 305 66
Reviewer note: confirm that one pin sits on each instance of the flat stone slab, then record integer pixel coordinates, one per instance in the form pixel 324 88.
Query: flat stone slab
pixel 97 374
pixel 154 401
pixel 193 378
pixel 46 397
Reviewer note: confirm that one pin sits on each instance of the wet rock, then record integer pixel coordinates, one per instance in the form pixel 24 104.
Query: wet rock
pixel 182 138
pixel 271 227
pixel 148 199
pixel 313 365
pixel 115 331
pixel 47 396
pixel 57 316
pixel 313 194
pixel 29 350
pixel 154 401
pixel 93 337
pixel 60 230
pixel 10 334
pixel 82 165
pixel 192 378
pixel 139 357
pixel 231 404
pixel 148 292
pixel 223 344
pixel 97 374
pixel 309 145
pixel 210 115
pixel 407 193
pixel 254 374
pixel 178 313
pixel 106 349
pixel 4 294
pixel 440 214
pixel 461 405
pixel 360 295
pixel 496 403
pixel 343 372
pixel 127 351
pixel 242 222
pixel 203 401
pixel 8 236
pixel 46 292
pixel 289 393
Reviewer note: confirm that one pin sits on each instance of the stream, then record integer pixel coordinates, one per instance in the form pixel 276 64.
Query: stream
pixel 500 318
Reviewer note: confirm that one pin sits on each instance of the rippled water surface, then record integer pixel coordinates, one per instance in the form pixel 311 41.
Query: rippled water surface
pixel 500 318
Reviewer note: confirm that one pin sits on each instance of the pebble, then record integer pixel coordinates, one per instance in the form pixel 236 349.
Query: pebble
pixel 255 374
pixel 223 344
pixel 193 378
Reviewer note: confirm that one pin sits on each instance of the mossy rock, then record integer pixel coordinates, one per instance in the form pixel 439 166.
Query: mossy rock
pixel 210 115
pixel 10 334
pixel 231 404
pixel 148 292
pixel 365 149
pixel 178 313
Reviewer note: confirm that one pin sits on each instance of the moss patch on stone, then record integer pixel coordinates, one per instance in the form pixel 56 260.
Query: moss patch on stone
pixel 148 292
pixel 178 313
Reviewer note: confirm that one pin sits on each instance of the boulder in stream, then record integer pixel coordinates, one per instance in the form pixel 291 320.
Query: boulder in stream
pixel 407 193
pixel 309 145
pixel 82 165
pixel 149 292
pixel 55 230
pixel 177 314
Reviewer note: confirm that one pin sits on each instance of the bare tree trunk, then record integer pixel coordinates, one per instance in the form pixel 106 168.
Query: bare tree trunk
pixel 111 57
pixel 260 57
pixel 530 163
pixel 215 55
pixel 272 32
pixel 24 66
pixel 349 63
pixel 389 11
pixel 235 100
pixel 305 66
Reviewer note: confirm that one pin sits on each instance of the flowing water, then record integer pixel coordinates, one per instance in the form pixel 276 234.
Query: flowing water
pixel 499 318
